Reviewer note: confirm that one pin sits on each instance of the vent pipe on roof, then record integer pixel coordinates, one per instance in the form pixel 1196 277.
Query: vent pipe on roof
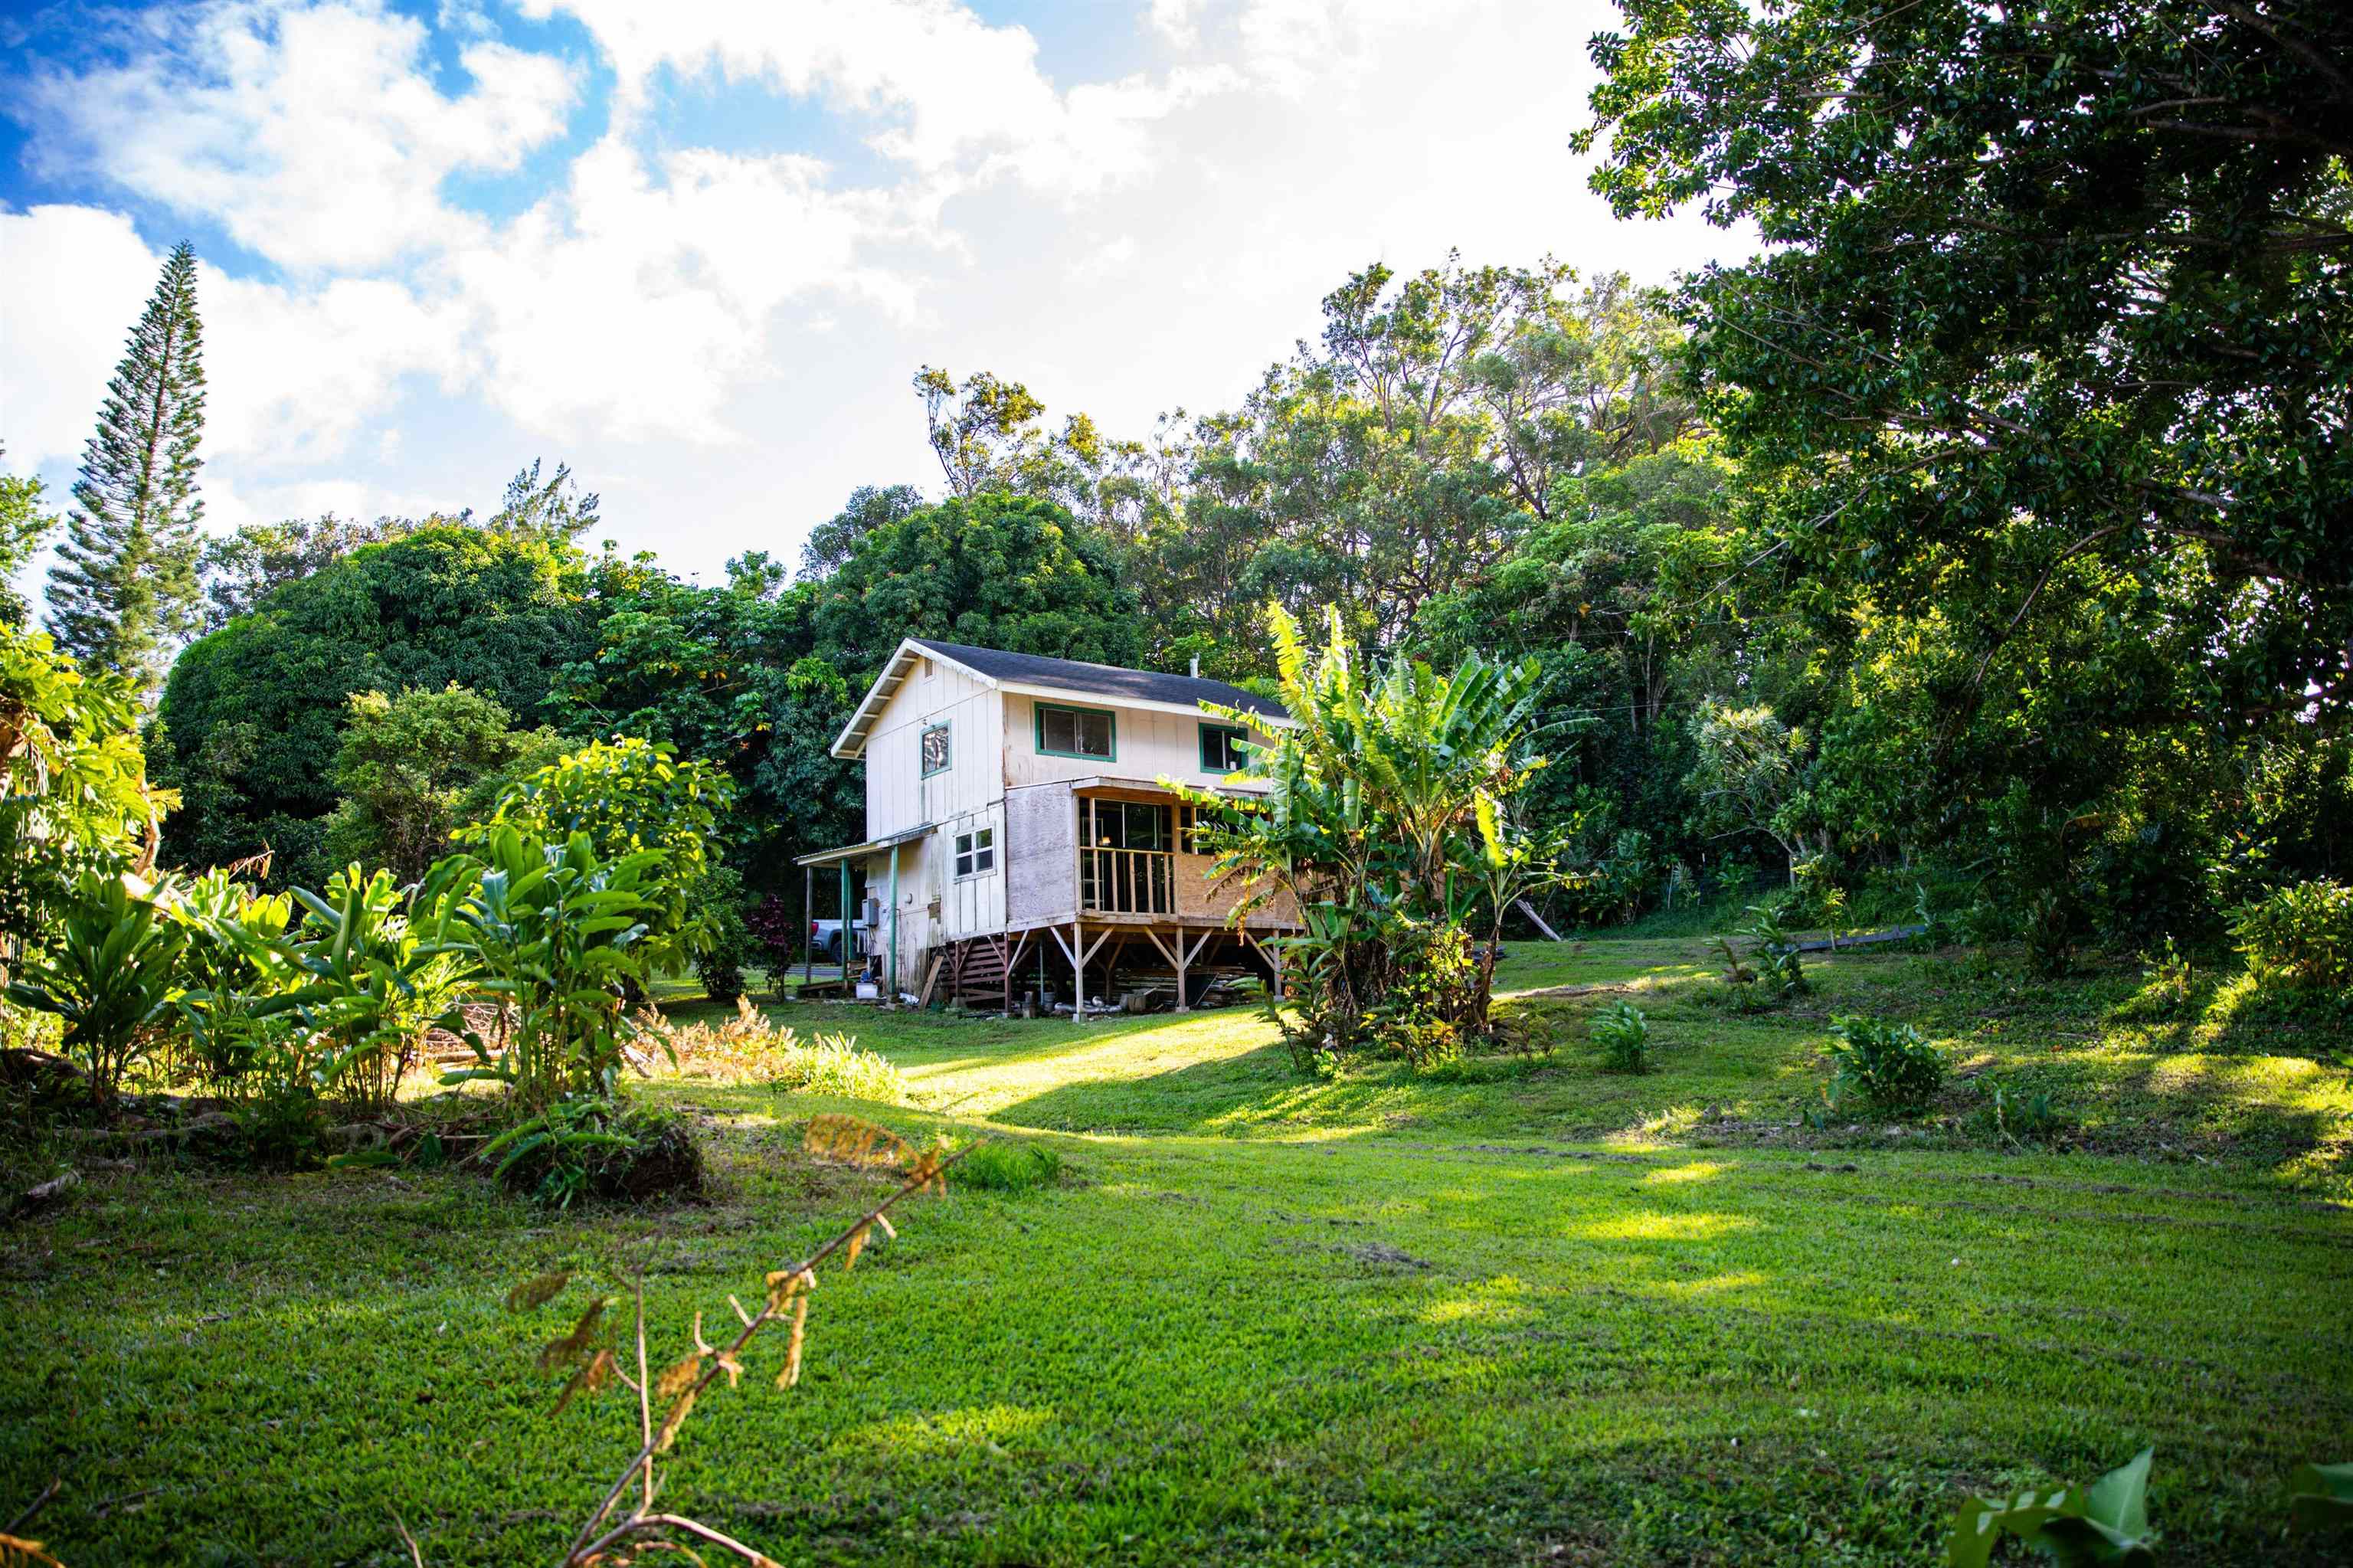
pixel 1197 666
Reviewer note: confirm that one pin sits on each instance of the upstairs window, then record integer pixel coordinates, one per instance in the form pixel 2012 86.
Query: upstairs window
pixel 1221 747
pixel 1089 732
pixel 934 750
pixel 976 852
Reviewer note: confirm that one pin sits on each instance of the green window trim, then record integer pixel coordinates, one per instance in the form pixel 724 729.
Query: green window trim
pixel 1037 713
pixel 1235 732
pixel 947 749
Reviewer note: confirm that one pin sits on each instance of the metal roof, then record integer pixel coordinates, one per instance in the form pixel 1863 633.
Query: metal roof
pixel 871 846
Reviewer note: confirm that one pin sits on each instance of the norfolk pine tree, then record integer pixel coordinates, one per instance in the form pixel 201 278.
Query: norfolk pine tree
pixel 124 587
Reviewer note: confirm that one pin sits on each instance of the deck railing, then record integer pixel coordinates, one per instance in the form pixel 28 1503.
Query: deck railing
pixel 1128 882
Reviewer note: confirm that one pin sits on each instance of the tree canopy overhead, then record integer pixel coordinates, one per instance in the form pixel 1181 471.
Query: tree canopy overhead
pixel 2052 307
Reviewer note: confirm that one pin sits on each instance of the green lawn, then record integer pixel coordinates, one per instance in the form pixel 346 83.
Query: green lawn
pixel 1518 1311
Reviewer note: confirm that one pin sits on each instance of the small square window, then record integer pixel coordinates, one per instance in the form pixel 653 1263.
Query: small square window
pixel 934 750
pixel 976 852
pixel 1221 747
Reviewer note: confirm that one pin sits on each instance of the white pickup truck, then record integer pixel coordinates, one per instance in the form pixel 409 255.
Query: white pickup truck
pixel 825 937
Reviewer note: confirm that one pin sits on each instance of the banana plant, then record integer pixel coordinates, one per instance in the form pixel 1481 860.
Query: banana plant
pixel 552 931
pixel 111 978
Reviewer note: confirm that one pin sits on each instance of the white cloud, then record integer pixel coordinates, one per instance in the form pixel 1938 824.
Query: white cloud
pixel 90 273
pixel 290 374
pixel 313 136
pixel 639 305
pixel 1122 245
pixel 956 94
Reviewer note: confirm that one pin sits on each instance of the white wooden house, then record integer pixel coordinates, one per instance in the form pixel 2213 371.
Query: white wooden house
pixel 1015 819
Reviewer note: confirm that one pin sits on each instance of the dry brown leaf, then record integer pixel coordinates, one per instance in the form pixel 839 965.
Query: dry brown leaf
pixel 673 1421
pixel 792 1372
pixel 854 1140
pixel 850 1253
pixel 562 1351
pixel 537 1292
pixel 593 1378
pixel 678 1377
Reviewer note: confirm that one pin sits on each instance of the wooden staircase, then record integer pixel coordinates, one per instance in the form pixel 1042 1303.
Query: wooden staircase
pixel 973 970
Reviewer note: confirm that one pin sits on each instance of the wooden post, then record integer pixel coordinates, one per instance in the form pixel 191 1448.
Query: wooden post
pixel 1183 998
pixel 1078 973
pixel 808 924
pixel 891 961
pixel 1004 949
pixel 845 931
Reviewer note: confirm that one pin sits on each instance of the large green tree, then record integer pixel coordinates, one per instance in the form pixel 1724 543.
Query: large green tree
pixel 726 674
pixel 416 767
pixel 2047 366
pixel 124 588
pixel 255 713
pixel 993 569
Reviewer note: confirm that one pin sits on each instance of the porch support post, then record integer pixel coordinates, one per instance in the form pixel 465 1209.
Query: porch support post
pixel 891 964
pixel 847 932
pixel 808 924
pixel 1078 973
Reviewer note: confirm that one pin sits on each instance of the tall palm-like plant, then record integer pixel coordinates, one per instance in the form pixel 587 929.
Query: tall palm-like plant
pixel 1381 789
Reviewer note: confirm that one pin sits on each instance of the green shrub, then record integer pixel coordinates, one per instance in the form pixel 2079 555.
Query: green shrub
pixel 2050 932
pixel 724 946
pixel 1008 1168
pixel 2300 935
pixel 1623 1035
pixel 1893 1068
pixel 586 1146
pixel 834 1064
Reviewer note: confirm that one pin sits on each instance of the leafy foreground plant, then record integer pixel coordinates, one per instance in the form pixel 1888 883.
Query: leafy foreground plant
pixel 588 1145
pixel 2107 1521
pixel 595 1365
pixel 110 980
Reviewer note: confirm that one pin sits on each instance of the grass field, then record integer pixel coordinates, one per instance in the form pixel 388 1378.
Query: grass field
pixel 1516 1312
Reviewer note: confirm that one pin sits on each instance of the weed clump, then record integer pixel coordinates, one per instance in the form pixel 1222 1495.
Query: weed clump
pixel 1011 1168
pixel 748 1048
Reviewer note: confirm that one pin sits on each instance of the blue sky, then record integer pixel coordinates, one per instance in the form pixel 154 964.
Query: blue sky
pixel 697 250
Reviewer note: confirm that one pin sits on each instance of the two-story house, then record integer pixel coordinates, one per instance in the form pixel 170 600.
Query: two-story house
pixel 1016 827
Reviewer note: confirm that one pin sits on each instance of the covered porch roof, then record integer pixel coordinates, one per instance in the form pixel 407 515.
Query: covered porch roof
pixel 860 851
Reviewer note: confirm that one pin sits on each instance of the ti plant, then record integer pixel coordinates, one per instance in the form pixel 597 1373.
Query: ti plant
pixel 668 1396
pixel 373 986
pixel 111 978
pixel 2106 1522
